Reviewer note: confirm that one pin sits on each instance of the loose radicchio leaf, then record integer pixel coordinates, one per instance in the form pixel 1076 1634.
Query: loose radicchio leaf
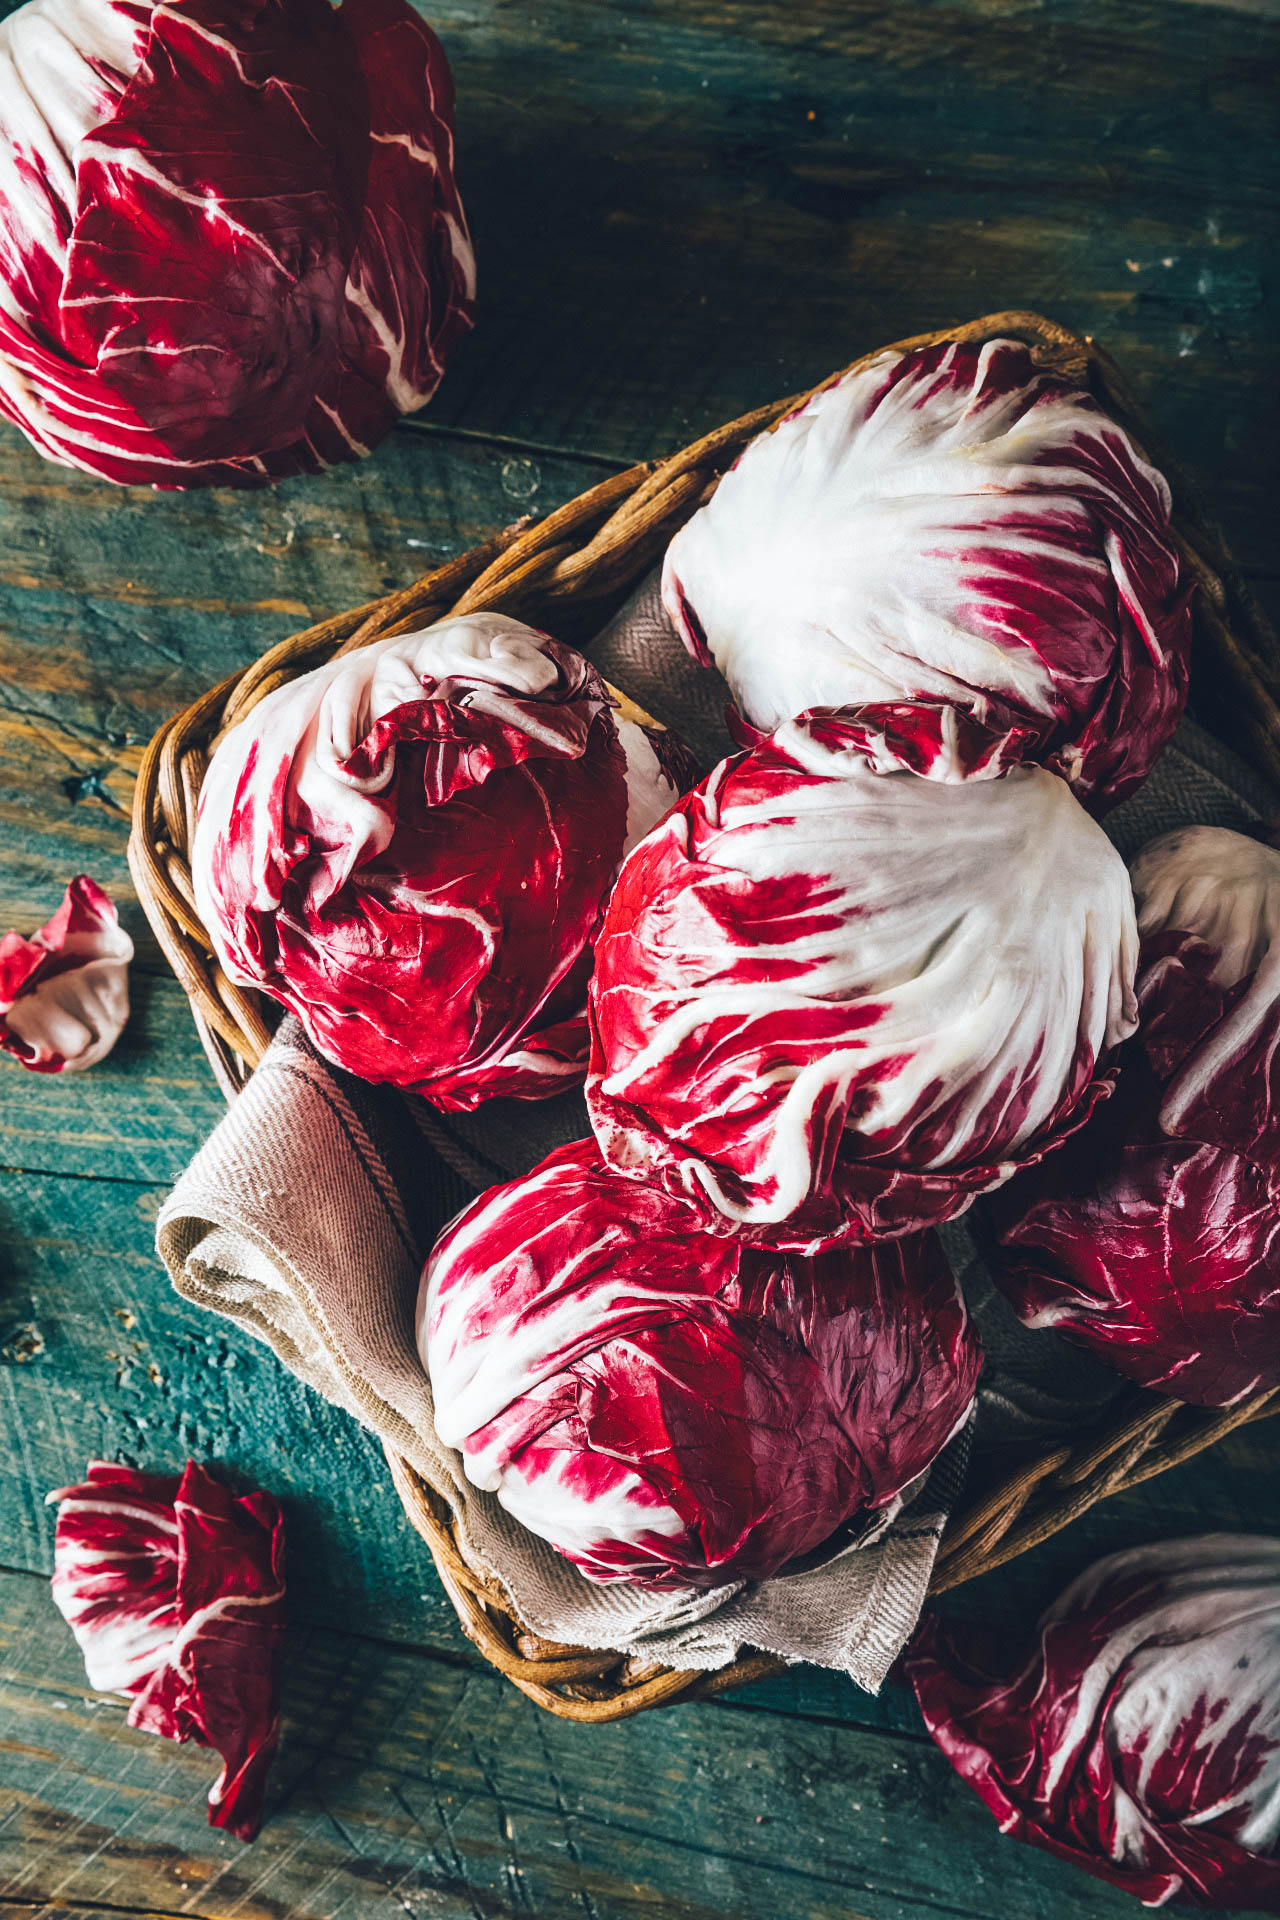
pixel 948 528
pixel 175 1593
pixel 411 846
pixel 1154 1236
pixel 833 1003
pixel 1141 1737
pixel 64 993
pixel 231 245
pixel 678 1409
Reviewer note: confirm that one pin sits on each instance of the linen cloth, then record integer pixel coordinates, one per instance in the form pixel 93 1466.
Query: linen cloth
pixel 308 1214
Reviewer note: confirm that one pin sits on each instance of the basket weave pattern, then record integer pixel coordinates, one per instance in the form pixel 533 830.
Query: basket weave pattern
pixel 569 573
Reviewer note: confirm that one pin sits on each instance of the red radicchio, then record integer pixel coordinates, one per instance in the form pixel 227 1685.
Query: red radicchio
pixel 948 528
pixel 410 847
pixel 64 994
pixel 1154 1236
pixel 829 1002
pixel 175 1593
pixel 231 245
pixel 676 1409
pixel 1141 1738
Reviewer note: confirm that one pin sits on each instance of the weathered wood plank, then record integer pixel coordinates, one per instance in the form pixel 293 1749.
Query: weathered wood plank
pixel 98 1356
pixel 684 210
pixel 813 1693
pixel 445 1791
pixel 140 1115
pixel 41 1909
pixel 121 603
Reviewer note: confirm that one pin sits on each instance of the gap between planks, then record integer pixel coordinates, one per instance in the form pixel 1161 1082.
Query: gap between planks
pixel 457 1662
pixel 101 1179
pixel 509 443
pixel 31 1909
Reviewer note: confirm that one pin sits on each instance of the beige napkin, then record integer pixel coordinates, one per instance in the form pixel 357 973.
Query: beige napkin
pixel 308 1213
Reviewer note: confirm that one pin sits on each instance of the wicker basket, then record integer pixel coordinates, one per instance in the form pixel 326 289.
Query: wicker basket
pixel 568 573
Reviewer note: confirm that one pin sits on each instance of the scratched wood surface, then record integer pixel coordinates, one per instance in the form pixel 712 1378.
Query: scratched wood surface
pixel 442 1789
pixel 682 209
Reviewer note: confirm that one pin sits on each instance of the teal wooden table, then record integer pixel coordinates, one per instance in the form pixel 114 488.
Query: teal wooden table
pixel 682 208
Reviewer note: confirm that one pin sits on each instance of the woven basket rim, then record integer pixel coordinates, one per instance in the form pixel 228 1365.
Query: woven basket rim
pixel 576 566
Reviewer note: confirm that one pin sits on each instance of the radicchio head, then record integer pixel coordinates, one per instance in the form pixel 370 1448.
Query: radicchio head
pixel 829 1002
pixel 410 847
pixel 1140 1739
pixel 64 993
pixel 1154 1236
pixel 950 529
pixel 231 243
pixel 676 1409
pixel 175 1593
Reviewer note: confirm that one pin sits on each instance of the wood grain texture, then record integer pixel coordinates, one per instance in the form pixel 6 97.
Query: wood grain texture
pixel 99 1358
pixel 406 1783
pixel 685 208
pixel 139 1116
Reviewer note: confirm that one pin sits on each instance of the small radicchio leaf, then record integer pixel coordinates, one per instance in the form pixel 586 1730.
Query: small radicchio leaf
pixel 174 1590
pixel 411 847
pixel 948 528
pixel 1153 1237
pixel 830 1003
pixel 678 1410
pixel 1140 1736
pixel 64 993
